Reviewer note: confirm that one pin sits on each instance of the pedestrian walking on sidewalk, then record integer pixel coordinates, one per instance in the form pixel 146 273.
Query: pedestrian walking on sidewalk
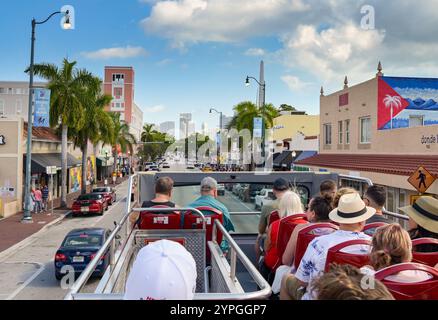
pixel 45 193
pixel 39 200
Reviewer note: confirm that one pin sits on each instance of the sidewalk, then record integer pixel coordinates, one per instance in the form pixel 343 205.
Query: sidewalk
pixel 12 231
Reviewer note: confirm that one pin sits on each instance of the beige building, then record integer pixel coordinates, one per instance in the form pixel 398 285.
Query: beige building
pixel 46 151
pixel 14 98
pixel 382 129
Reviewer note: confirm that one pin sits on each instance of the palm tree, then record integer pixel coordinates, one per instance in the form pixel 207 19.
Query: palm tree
pixel 391 102
pixel 120 137
pixel 67 85
pixel 245 112
pixel 98 124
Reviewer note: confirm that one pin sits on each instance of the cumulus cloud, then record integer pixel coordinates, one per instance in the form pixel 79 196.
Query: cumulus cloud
pixel 255 52
pixel 322 40
pixel 155 109
pixel 191 21
pixel 294 83
pixel 116 52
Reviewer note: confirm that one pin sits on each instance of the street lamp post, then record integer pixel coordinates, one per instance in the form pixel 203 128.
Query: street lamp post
pixel 220 131
pixel 27 216
pixel 262 86
pixel 106 167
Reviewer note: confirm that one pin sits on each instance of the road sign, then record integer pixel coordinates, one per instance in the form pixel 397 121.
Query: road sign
pixel 51 170
pixel 415 197
pixel 421 179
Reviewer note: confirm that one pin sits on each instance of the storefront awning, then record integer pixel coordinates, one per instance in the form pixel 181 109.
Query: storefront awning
pixel 40 161
pixel 102 162
pixel 305 155
pixel 284 159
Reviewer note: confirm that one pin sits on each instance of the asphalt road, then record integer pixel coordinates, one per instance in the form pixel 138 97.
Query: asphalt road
pixel 28 274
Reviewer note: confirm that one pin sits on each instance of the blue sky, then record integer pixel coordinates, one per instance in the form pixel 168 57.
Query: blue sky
pixel 190 55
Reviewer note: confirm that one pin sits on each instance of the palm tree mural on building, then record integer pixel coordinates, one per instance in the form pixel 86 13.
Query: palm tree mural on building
pixel 392 102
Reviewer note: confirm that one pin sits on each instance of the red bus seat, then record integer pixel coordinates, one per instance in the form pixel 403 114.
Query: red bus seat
pixel 428 258
pixel 273 216
pixel 425 290
pixel 370 228
pixel 306 235
pixel 159 221
pixel 287 226
pixel 192 220
pixel 335 254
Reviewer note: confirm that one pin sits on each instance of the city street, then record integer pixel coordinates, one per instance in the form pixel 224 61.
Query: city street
pixel 28 273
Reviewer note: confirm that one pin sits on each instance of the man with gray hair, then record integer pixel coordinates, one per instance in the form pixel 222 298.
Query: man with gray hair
pixel 208 198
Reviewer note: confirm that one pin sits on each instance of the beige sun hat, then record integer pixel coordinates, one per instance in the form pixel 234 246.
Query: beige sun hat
pixel 424 212
pixel 351 209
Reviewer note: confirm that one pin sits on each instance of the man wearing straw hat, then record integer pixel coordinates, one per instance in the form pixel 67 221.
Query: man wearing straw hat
pixel 351 215
pixel 423 220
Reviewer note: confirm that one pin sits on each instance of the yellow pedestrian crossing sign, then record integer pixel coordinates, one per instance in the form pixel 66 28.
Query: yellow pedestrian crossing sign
pixel 421 179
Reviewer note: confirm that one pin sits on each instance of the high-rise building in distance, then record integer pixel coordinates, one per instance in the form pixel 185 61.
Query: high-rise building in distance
pixel 184 125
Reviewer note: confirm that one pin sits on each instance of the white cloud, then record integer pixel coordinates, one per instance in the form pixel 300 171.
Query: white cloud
pixel 117 52
pixel 155 109
pixel 164 62
pixel 255 52
pixel 191 21
pixel 345 49
pixel 294 83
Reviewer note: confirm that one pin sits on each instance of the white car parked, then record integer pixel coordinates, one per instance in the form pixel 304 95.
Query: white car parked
pixel 265 196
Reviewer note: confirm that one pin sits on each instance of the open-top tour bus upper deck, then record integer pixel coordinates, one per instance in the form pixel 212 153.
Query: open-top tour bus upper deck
pixel 226 277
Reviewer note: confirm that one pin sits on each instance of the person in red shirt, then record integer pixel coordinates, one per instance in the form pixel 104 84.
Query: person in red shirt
pixel 289 204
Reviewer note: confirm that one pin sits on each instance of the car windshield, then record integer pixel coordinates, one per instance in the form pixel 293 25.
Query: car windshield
pixel 83 240
pixel 90 197
pixel 101 190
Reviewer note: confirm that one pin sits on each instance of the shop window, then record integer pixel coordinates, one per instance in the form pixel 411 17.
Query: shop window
pixel 390 200
pixel 416 121
pixel 340 133
pixel 19 106
pixel 365 130
pixel 2 108
pixel 327 134
pixel 347 131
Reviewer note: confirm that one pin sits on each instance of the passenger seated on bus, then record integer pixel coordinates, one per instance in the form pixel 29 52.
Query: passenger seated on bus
pixel 208 198
pixel 290 203
pixel 319 209
pixel 280 187
pixel 340 193
pixel 345 282
pixel 392 245
pixel 423 221
pixel 351 215
pixel 328 188
pixel 162 270
pixel 375 197
pixel 163 194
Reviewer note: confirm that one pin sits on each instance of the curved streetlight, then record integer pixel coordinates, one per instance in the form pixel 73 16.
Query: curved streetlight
pixel 220 131
pixel 27 215
pixel 262 86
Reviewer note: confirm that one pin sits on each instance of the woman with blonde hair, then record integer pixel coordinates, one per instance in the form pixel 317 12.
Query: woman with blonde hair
pixel 392 245
pixel 289 204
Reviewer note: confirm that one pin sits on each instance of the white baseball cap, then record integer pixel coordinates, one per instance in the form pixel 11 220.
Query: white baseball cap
pixel 162 270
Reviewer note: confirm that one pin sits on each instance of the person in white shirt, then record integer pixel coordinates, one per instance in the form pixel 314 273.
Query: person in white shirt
pixel 351 216
pixel 392 245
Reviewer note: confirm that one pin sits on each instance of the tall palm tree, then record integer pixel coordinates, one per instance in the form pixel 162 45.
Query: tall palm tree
pixel 121 137
pixel 98 123
pixel 246 111
pixel 67 85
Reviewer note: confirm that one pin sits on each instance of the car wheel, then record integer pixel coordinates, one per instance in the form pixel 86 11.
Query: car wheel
pixel 74 215
pixel 107 208
pixel 58 276
pixel 101 212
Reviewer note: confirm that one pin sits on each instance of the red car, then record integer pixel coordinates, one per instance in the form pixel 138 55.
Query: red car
pixel 90 203
pixel 108 192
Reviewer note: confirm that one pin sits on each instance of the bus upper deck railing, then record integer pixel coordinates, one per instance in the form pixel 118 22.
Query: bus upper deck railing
pixel 109 245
